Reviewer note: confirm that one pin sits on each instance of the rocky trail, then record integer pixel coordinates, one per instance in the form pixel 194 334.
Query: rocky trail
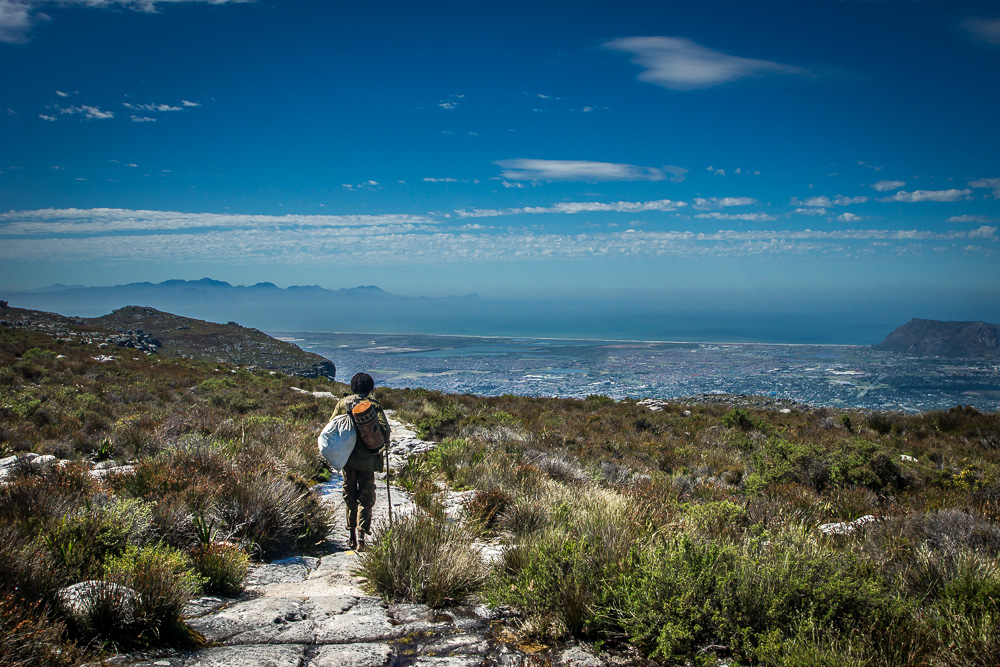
pixel 312 612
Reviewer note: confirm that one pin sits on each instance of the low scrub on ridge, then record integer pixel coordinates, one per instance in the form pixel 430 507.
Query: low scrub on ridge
pixel 705 532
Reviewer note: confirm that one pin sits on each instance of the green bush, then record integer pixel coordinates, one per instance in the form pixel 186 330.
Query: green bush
pixel 164 579
pixel 223 567
pixel 422 559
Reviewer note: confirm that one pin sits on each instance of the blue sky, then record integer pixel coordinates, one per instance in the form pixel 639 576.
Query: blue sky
pixel 516 148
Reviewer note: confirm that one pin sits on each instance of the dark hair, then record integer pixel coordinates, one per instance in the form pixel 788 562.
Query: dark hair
pixel 362 384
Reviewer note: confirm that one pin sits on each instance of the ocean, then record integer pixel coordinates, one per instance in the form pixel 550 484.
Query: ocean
pixel 848 376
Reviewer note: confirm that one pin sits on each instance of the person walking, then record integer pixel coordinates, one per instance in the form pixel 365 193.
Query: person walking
pixel 360 469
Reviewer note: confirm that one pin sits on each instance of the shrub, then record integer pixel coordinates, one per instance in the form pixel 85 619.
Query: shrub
pixel 484 508
pixel 164 580
pixel 223 566
pixel 29 636
pixel 739 418
pixel 421 559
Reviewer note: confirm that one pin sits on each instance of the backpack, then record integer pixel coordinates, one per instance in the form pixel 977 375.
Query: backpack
pixel 337 441
pixel 366 422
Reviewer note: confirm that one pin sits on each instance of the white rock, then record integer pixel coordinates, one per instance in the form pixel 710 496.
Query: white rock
pixel 847 527
pixel 82 599
pixel 907 458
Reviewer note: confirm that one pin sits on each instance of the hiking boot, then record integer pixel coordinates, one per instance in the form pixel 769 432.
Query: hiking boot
pixel 361 545
pixel 353 542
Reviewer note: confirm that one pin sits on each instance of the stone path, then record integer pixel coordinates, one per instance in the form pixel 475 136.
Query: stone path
pixel 311 612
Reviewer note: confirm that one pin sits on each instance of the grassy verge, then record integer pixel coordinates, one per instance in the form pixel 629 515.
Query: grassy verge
pixel 220 463
pixel 695 536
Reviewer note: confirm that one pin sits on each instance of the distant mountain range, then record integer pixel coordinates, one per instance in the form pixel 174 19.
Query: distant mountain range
pixel 944 339
pixel 144 329
pixel 263 305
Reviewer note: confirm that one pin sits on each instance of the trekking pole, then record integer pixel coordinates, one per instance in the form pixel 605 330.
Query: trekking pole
pixel 388 491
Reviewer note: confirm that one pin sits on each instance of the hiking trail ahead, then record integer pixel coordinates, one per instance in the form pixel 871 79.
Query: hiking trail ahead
pixel 312 612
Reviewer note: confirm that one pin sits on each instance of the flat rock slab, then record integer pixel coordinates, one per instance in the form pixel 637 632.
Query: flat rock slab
pixel 205 605
pixel 352 655
pixel 286 570
pixel 259 621
pixel 288 655
pixel 367 621
pixel 249 656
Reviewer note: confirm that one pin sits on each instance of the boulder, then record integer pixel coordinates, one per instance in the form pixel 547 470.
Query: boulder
pixel 81 601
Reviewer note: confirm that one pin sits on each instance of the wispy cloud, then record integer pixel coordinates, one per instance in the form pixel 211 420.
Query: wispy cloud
pixel 971 218
pixel 991 183
pixel 928 195
pixel 987 30
pixel 451 102
pixel 749 217
pixel 524 169
pixel 848 217
pixel 825 202
pixel 284 241
pixel 681 64
pixel 113 221
pixel 576 207
pixel 151 107
pixel 142 119
pixel 722 202
pixel 887 186
pixel 87 111
pixel 810 211
pixel 18 17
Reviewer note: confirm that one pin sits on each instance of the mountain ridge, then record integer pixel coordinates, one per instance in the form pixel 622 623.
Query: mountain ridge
pixel 944 339
pixel 153 331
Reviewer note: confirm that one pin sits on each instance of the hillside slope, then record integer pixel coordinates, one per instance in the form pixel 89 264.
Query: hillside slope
pixel 944 339
pixel 151 330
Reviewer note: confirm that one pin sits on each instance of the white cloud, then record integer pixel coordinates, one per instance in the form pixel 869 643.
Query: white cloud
pixel 576 207
pixel 848 217
pixel 984 232
pixel 186 103
pixel 524 169
pixel 15 21
pixel 18 17
pixel 445 179
pixel 971 218
pixel 108 221
pixel 89 112
pixel 988 30
pixel 142 119
pixel 680 64
pixel 751 217
pixel 824 202
pixel 991 183
pixel 928 195
pixel 47 117
pixel 869 165
pixel 886 186
pixel 151 107
pixel 425 244
pixel 811 211
pixel 723 202
pixel 451 102
pixel 62 94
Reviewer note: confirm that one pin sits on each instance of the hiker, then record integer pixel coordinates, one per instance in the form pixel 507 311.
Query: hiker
pixel 360 469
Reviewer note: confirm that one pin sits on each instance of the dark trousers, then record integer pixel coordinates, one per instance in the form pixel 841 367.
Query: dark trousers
pixel 359 490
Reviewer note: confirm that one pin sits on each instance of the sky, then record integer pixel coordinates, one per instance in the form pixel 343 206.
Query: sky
pixel 517 148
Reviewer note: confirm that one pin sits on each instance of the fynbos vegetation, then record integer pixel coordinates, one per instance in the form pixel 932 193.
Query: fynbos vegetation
pixel 158 479
pixel 698 532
